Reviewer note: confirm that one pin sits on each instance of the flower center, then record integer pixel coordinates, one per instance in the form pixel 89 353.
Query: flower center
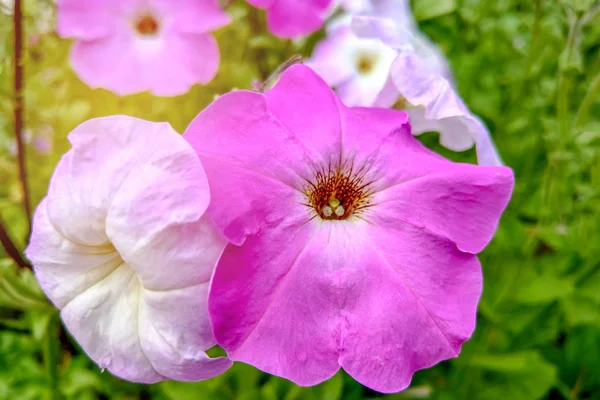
pixel 365 62
pixel 146 25
pixel 336 194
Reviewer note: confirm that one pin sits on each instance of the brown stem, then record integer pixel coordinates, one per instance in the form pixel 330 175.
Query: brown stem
pixel 18 107
pixel 10 248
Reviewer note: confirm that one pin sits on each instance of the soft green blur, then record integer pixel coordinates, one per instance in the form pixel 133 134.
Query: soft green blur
pixel 530 69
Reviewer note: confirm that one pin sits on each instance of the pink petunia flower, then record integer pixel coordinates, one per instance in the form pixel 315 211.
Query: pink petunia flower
pixel 429 96
pixel 359 67
pixel 122 247
pixel 364 58
pixel 130 46
pixel 353 245
pixel 293 18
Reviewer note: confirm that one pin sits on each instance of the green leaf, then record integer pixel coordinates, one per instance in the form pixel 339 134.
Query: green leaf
pixel 516 376
pixel 16 294
pixel 545 289
pixel 580 309
pixel 428 9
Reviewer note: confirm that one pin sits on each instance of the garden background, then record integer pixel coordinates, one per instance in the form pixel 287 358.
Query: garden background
pixel 530 69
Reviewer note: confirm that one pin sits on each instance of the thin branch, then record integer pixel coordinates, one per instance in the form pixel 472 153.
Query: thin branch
pixel 18 107
pixel 10 248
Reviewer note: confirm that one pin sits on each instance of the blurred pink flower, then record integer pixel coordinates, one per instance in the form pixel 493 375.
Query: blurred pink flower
pixel 122 247
pixel 130 46
pixel 359 67
pixel 426 91
pixel 294 18
pixel 352 245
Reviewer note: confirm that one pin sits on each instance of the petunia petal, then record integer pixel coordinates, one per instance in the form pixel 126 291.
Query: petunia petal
pixel 175 329
pixel 121 244
pixel 292 18
pixel 422 78
pixel 105 321
pixel 414 304
pixel 461 202
pixel 89 20
pixel 64 268
pixel 167 66
pixel 331 59
pixel 280 311
pixel 312 110
pixel 191 16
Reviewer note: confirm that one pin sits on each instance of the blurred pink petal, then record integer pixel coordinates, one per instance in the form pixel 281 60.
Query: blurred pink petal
pixel 352 245
pixel 357 68
pixel 293 18
pixel 132 46
pixel 122 246
pixel 433 103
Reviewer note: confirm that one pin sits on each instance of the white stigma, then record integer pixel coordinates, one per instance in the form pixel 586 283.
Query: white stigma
pixel 327 211
pixel 339 211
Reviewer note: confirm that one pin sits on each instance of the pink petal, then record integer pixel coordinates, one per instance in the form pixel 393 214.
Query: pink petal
pixel 461 202
pixel 330 58
pixel 89 20
pixel 292 18
pixel 414 303
pixel 166 66
pixel 276 312
pixel 422 78
pixel 311 111
pixel 191 16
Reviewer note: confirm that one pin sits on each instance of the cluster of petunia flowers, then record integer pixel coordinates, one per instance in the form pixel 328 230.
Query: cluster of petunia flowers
pixel 300 230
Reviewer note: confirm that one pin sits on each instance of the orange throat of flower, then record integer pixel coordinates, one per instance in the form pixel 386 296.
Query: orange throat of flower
pixel 146 25
pixel 336 194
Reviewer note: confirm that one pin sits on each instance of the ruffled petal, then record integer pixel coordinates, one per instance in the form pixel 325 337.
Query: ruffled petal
pixel 422 87
pixel 175 330
pixel 105 321
pixel 414 303
pixel 63 268
pixel 274 302
pixel 122 246
pixel 461 202
pixel 422 78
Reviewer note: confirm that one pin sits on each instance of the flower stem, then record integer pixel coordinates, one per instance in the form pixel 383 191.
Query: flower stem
pixel 11 249
pixel 18 107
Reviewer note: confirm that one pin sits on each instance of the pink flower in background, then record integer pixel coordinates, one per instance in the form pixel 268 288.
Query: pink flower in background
pixel 430 99
pixel 359 67
pixel 122 247
pixel 130 46
pixel 294 18
pixel 353 246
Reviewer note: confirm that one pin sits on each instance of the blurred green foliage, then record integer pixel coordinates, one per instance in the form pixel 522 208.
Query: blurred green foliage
pixel 530 69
